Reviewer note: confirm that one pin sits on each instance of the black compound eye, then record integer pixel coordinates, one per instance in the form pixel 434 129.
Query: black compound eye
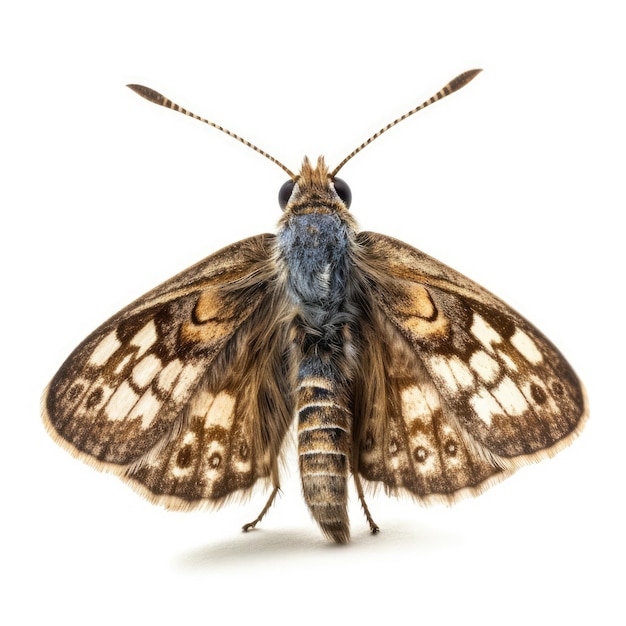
pixel 343 191
pixel 285 193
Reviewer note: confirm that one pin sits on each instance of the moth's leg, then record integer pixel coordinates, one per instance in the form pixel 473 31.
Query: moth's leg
pixel 359 489
pixel 266 508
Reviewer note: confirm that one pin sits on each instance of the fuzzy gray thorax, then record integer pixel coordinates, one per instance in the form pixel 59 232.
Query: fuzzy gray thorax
pixel 315 239
pixel 314 249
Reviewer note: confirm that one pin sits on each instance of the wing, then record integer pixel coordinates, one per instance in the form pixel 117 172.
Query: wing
pixel 185 393
pixel 457 390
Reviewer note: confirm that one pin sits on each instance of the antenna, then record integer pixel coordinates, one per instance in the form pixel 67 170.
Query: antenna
pixel 157 98
pixel 454 85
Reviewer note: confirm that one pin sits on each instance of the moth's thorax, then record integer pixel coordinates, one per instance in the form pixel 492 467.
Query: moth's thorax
pixel 315 237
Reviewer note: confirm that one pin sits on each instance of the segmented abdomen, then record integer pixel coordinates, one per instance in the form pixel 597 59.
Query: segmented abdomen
pixel 324 427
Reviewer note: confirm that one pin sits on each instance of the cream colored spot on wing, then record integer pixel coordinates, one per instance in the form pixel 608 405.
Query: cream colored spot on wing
pixel 419 403
pixel 484 332
pixel 220 412
pixel 507 360
pixel 145 338
pixel 188 376
pixel 243 467
pixel 461 372
pixel 105 349
pixel 181 472
pixel 485 406
pixel 486 367
pixel 510 397
pixel 396 461
pixel 169 375
pixel 526 347
pixel 146 370
pixel 147 408
pixel 121 402
pixel 452 372
pixel 200 403
pixel 123 363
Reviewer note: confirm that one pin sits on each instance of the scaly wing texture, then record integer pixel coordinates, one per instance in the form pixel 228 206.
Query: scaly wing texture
pixel 164 393
pixel 457 390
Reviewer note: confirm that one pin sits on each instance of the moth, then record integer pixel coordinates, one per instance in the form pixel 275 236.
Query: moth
pixel 398 370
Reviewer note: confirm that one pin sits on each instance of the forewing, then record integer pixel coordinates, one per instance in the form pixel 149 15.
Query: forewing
pixel 166 394
pixel 476 388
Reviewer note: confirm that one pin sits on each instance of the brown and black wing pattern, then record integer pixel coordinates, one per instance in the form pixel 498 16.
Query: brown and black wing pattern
pixel 456 390
pixel 165 393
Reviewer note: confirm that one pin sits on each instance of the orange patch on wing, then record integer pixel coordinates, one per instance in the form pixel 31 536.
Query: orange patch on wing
pixel 213 317
pixel 420 314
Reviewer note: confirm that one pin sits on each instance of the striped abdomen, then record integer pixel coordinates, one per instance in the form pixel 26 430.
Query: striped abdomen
pixel 324 444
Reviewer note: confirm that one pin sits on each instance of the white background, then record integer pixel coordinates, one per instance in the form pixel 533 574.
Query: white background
pixel 517 181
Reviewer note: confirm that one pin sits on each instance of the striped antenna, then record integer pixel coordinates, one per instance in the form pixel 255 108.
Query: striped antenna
pixel 454 85
pixel 157 98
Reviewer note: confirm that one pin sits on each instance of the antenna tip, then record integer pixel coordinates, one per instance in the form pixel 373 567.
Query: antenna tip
pixel 462 79
pixel 147 93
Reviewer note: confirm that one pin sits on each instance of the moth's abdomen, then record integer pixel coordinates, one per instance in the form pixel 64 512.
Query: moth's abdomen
pixel 324 444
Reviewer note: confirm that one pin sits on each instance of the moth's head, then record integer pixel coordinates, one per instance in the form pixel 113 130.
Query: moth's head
pixel 314 190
